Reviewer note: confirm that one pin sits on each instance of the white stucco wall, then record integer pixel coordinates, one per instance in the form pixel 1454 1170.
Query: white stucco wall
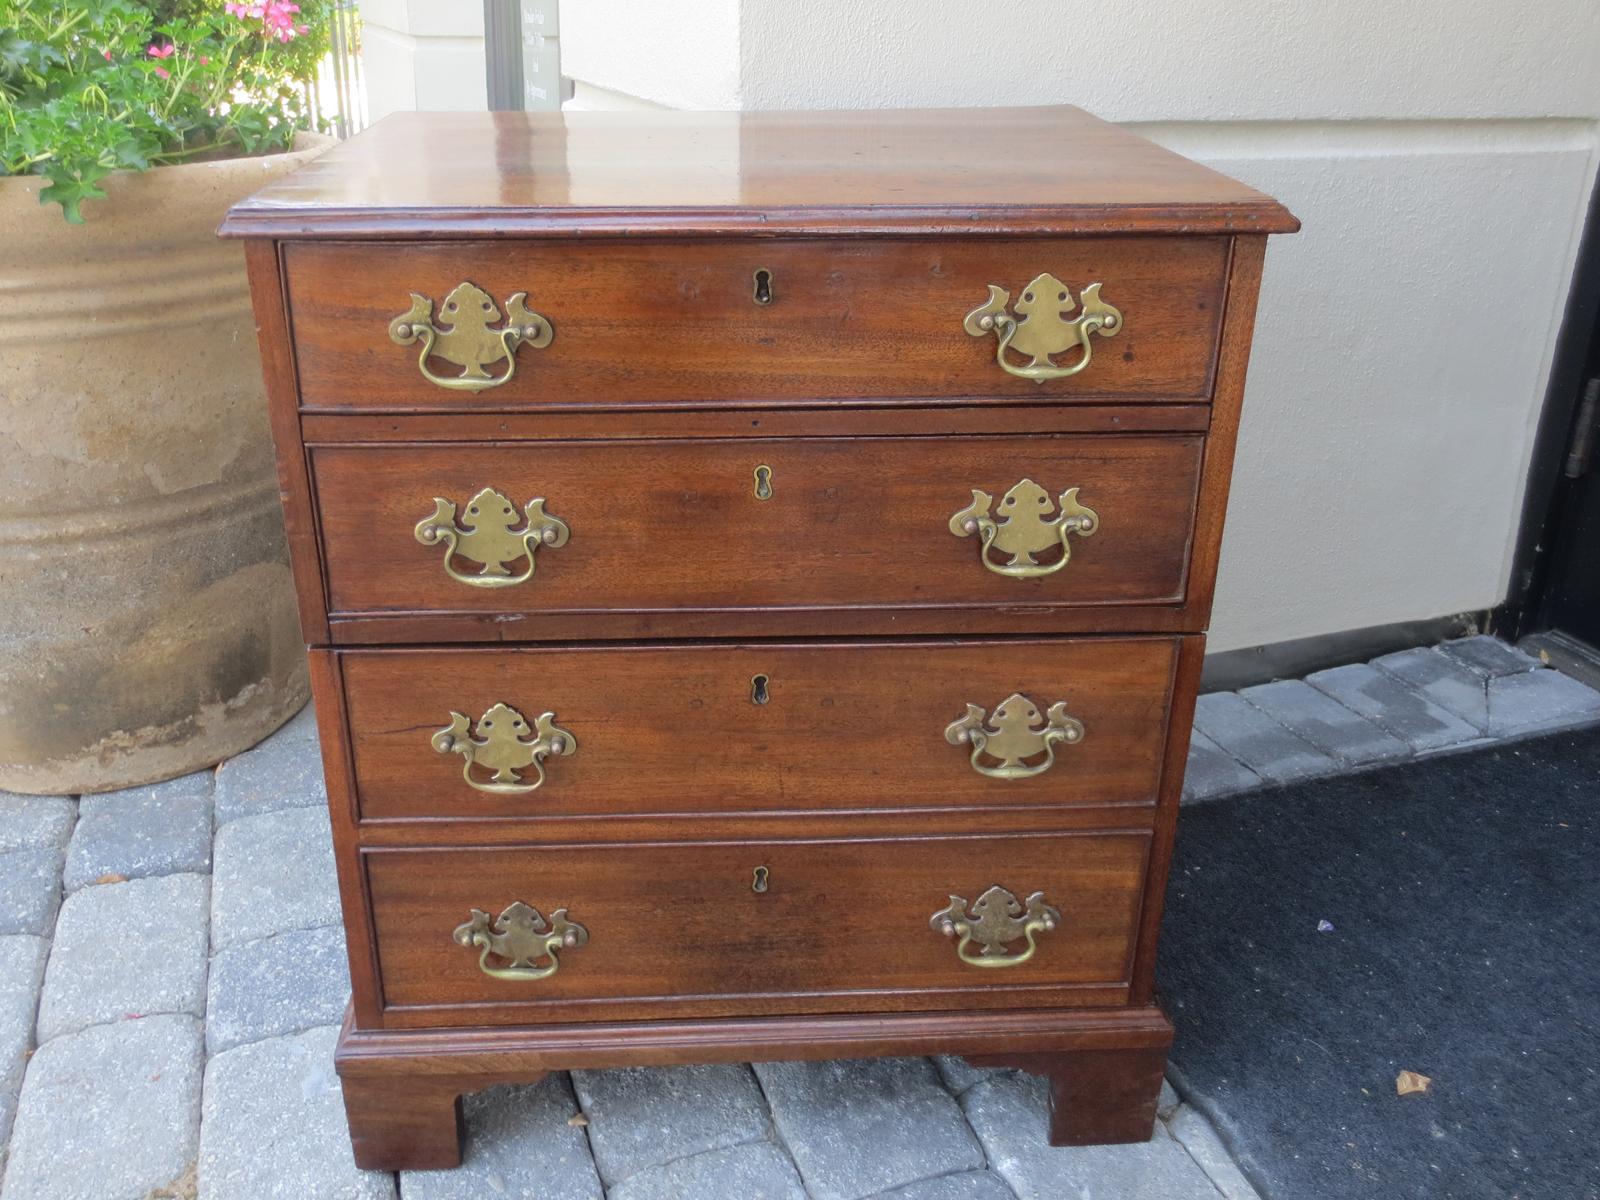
pixel 1161 60
pixel 628 53
pixel 424 55
pixel 1399 366
pixel 1439 152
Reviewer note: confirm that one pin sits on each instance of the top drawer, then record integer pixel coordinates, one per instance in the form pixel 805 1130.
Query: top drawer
pixel 745 321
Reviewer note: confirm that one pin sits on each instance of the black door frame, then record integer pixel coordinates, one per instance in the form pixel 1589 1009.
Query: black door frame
pixel 1577 358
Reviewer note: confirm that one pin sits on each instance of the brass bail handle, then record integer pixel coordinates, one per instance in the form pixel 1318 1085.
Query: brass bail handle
pixel 523 941
pixel 502 746
pixel 493 534
pixel 465 336
pixel 1024 528
pixel 1043 329
pixel 1002 743
pixel 992 922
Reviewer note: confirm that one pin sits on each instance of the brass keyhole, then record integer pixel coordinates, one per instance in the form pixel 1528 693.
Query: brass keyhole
pixel 759 883
pixel 763 292
pixel 758 689
pixel 763 475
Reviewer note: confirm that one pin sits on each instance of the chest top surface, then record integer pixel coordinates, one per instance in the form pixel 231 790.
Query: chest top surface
pixel 1004 171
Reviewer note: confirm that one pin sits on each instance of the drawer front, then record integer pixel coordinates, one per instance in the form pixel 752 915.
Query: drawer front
pixel 760 927
pixel 702 728
pixel 719 524
pixel 639 323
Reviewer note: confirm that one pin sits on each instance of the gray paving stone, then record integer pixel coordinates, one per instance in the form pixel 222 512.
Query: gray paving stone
pixel 859 1127
pixel 518 1143
pixel 958 1074
pixel 1319 719
pixel 968 1185
pixel 753 1171
pixel 1489 656
pixel 1009 1114
pixel 272 873
pixel 273 1126
pixel 1442 679
pixel 198 783
pixel 285 771
pixel 21 971
pixel 127 950
pixel 1390 702
pixel 302 726
pixel 34 822
pixel 643 1117
pixel 1500 705
pixel 160 830
pixel 1258 741
pixel 1195 1134
pixel 1540 699
pixel 108 1113
pixel 30 890
pixel 272 986
pixel 1211 771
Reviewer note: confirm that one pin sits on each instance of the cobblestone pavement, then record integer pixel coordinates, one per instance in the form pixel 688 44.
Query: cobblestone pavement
pixel 172 974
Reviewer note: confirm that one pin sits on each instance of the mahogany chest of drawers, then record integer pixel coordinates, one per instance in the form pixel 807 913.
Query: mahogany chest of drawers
pixel 756 570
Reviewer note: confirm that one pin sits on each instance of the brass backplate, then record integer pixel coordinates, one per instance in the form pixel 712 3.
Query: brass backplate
pixel 493 534
pixel 503 747
pixel 1003 743
pixel 1044 329
pixel 464 335
pixel 521 939
pixel 1028 525
pixel 995 920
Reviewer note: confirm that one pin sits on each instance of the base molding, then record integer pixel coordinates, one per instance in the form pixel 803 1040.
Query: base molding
pixel 402 1087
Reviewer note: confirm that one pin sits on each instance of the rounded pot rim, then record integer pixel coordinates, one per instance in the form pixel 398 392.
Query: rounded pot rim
pixel 307 144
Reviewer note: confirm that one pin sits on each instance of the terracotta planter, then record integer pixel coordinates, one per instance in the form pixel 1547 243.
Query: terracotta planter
pixel 147 618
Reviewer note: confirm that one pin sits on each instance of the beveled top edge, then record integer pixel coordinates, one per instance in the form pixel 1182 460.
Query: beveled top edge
pixel 1017 172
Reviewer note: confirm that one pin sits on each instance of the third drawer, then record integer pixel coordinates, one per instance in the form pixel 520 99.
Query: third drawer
pixel 703 728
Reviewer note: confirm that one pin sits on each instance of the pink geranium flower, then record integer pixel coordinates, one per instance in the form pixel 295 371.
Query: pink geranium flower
pixel 276 17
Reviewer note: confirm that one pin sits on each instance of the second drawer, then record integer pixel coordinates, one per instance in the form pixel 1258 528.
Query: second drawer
pixel 705 728
pixel 708 525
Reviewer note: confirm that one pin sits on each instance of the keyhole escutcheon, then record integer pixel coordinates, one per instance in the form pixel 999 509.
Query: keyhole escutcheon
pixel 759 883
pixel 763 289
pixel 758 689
pixel 763 477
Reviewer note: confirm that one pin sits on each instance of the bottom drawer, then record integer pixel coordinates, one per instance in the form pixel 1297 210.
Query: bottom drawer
pixel 723 929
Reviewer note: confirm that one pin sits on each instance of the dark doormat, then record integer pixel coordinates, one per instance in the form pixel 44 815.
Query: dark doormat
pixel 1464 898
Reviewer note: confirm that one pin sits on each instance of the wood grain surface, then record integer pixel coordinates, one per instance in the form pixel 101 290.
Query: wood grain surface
pixel 640 323
pixel 320 428
pixel 401 1086
pixel 677 929
pixel 971 172
pixel 675 729
pixel 673 527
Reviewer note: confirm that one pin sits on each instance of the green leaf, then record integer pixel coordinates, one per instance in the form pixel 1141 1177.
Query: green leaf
pixel 131 156
pixel 19 56
pixel 70 191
